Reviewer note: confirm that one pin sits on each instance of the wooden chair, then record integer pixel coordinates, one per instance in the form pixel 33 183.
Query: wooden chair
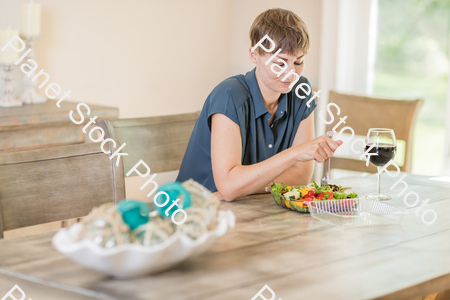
pixel 367 112
pixel 54 184
pixel 159 141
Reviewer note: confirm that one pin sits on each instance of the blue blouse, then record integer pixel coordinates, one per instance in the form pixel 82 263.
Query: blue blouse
pixel 239 98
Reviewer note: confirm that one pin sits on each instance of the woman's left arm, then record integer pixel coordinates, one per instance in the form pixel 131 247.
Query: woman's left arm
pixel 301 172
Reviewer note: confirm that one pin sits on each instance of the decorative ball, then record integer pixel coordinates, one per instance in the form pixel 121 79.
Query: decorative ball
pixel 174 191
pixel 134 213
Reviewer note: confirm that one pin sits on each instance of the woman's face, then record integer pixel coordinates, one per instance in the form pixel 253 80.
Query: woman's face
pixel 271 79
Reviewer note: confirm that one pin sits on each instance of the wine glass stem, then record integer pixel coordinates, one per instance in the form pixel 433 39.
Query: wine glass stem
pixel 378 181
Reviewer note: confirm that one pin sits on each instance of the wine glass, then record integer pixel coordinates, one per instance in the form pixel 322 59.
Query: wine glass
pixel 382 142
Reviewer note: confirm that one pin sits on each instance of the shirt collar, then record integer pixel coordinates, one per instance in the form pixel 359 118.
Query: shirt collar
pixel 258 101
pixel 282 105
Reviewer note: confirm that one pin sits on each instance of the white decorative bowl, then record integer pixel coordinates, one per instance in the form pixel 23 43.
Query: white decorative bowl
pixel 132 260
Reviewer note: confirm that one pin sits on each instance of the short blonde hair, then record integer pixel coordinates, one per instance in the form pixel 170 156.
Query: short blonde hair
pixel 284 27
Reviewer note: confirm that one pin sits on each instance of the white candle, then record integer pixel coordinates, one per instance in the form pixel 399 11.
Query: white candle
pixel 31 19
pixel 8 56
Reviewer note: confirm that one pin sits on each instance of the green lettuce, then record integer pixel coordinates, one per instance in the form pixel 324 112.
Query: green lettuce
pixel 340 195
pixel 276 187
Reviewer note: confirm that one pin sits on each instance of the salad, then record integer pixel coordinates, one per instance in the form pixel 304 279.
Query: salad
pixel 296 197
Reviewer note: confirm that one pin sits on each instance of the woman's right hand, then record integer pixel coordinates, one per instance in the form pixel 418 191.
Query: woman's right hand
pixel 320 149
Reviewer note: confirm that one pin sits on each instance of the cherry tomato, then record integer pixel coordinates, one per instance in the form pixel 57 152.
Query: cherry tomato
pixel 310 193
pixel 319 196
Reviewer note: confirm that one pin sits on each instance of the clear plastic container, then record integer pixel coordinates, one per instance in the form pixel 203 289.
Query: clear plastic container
pixel 356 212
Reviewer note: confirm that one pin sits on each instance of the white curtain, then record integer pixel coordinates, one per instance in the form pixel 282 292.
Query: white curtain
pixel 347 52
pixel 356 49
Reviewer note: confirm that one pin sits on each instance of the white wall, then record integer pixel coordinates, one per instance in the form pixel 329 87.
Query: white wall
pixel 150 57
pixel 145 57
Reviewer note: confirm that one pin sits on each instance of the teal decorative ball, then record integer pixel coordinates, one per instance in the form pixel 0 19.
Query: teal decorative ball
pixel 175 191
pixel 134 213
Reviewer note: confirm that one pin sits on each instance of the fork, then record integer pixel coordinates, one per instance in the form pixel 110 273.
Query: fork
pixel 326 177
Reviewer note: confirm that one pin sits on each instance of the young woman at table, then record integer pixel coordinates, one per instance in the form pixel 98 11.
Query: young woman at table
pixel 254 129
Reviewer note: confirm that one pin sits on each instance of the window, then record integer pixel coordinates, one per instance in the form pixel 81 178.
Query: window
pixel 412 62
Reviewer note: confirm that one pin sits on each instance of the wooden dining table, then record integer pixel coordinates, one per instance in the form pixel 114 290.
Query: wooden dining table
pixel 296 255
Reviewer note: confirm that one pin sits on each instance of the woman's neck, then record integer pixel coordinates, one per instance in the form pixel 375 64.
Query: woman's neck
pixel 270 97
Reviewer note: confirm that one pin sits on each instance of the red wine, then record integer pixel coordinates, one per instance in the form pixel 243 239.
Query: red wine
pixel 385 153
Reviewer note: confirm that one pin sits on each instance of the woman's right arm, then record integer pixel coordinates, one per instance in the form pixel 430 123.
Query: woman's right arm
pixel 234 180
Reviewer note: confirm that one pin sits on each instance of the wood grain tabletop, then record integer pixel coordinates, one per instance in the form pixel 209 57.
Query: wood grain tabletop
pixel 297 256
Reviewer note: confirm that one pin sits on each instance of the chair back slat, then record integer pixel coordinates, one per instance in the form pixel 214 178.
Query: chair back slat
pixel 367 112
pixel 159 141
pixel 53 184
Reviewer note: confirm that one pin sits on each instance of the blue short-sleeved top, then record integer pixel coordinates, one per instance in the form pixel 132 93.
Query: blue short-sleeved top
pixel 239 98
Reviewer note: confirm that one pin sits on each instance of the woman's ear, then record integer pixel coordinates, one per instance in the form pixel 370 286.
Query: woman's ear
pixel 253 55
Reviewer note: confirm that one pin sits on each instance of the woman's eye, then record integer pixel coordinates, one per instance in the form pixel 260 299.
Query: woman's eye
pixel 298 64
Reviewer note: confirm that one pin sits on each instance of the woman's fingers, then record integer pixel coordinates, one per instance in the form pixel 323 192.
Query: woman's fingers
pixel 327 149
pixel 318 157
pixel 320 149
pixel 322 155
pixel 332 144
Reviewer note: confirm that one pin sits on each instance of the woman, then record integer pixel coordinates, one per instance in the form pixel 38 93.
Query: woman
pixel 253 128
